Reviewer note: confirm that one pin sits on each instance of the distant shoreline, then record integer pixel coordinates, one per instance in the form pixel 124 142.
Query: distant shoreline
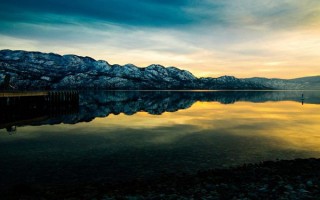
pixel 164 90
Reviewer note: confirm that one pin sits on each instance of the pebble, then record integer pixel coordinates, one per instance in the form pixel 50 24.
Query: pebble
pixel 303 191
pixel 224 185
pixel 310 183
pixel 288 187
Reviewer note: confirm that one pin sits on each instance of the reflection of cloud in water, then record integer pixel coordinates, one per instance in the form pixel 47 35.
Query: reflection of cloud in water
pixel 287 121
pixel 105 103
pixel 208 134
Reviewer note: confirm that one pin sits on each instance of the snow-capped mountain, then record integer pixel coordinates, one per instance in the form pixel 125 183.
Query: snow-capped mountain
pixel 36 70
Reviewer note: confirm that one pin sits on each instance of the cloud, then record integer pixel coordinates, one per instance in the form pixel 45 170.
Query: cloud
pixel 209 38
pixel 156 13
pixel 139 13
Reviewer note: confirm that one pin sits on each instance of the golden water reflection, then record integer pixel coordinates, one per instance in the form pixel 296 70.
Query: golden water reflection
pixel 289 124
pixel 206 135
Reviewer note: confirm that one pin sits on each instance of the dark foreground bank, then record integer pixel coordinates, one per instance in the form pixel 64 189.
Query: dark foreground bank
pixel 287 179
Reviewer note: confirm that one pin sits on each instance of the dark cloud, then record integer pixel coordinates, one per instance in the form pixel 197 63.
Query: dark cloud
pixel 191 34
pixel 141 13
pixel 162 13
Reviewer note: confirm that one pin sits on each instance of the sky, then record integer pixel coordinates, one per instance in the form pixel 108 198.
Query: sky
pixel 243 38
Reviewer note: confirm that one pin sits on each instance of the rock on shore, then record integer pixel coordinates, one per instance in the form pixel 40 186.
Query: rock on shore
pixel 287 179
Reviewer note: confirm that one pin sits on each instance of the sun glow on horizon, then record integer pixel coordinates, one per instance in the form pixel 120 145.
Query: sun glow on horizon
pixel 270 39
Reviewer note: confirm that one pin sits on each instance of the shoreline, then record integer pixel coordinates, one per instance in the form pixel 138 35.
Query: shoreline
pixel 283 179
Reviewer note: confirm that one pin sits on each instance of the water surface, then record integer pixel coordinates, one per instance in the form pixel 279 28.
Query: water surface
pixel 117 136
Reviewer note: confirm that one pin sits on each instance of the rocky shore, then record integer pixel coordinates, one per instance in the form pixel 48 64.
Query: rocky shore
pixel 286 179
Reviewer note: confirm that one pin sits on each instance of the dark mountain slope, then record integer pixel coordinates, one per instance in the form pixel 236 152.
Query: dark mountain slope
pixel 36 70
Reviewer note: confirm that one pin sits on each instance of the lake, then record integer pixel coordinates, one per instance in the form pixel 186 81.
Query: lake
pixel 117 136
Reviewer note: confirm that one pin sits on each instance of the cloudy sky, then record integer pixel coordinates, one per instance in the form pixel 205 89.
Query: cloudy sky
pixel 244 38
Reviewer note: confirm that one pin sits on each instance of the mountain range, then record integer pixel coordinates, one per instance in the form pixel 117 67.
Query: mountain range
pixel 36 71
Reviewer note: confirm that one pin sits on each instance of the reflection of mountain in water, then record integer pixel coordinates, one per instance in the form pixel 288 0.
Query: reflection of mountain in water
pixel 102 103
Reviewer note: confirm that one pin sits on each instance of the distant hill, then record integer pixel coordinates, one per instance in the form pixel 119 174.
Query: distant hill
pixel 36 70
pixel 306 83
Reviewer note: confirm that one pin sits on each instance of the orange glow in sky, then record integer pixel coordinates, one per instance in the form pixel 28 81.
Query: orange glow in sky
pixel 242 38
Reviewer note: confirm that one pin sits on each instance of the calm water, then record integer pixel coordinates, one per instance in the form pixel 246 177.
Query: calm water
pixel 125 135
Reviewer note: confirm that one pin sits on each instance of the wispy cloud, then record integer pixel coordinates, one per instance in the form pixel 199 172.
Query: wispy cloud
pixel 211 37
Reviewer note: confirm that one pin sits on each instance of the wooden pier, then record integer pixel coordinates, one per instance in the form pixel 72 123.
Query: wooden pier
pixel 19 107
pixel 15 97
pixel 22 94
